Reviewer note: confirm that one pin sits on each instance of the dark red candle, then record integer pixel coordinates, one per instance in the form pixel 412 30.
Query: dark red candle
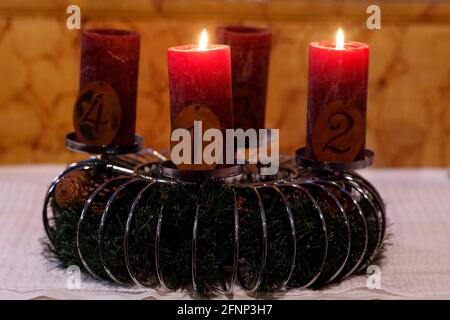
pixel 200 88
pixel 106 109
pixel 337 96
pixel 250 55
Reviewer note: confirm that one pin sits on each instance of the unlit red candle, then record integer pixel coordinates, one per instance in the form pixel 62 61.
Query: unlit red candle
pixel 337 97
pixel 111 57
pixel 250 55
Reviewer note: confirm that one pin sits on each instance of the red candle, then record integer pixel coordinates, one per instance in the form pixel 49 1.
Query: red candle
pixel 105 113
pixel 200 88
pixel 337 96
pixel 250 55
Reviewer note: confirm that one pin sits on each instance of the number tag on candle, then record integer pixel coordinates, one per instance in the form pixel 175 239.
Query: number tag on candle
pixel 338 132
pixel 97 114
pixel 185 120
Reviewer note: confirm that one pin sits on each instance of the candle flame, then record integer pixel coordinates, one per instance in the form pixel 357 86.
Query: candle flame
pixel 203 43
pixel 340 39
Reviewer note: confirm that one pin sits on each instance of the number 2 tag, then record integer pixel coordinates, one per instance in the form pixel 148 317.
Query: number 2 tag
pixel 338 133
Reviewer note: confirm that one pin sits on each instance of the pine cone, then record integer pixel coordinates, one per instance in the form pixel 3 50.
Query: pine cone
pixel 73 189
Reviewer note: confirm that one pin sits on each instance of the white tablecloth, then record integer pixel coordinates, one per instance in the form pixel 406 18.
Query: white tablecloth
pixel 417 264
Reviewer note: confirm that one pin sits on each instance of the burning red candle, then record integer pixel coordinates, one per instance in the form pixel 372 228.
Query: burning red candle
pixel 250 55
pixel 105 113
pixel 337 97
pixel 200 88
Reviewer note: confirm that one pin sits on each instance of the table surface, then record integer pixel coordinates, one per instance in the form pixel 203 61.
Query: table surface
pixel 416 263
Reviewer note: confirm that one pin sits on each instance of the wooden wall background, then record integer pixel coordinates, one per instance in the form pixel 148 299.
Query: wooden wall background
pixel 409 85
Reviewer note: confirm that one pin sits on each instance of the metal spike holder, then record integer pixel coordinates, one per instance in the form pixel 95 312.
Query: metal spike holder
pixel 300 213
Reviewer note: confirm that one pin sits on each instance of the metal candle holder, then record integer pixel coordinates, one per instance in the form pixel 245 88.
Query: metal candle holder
pixel 73 144
pixel 303 186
